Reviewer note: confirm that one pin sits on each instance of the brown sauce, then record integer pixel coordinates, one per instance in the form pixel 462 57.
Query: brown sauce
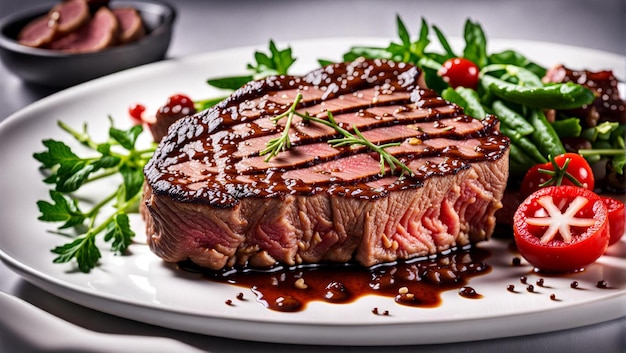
pixel 416 283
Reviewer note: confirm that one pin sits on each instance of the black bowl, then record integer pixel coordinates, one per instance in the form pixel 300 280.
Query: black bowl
pixel 58 69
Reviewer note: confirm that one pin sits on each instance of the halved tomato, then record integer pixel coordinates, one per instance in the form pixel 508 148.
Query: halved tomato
pixel 561 228
pixel 616 218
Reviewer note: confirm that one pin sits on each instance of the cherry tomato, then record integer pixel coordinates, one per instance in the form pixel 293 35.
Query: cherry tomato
pixel 136 111
pixel 459 72
pixel 177 105
pixel 561 228
pixel 559 171
pixel 616 218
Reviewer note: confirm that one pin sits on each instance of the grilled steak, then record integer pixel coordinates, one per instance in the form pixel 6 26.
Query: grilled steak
pixel 212 199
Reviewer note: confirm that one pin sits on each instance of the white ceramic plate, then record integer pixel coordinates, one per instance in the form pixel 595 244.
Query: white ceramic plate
pixel 141 287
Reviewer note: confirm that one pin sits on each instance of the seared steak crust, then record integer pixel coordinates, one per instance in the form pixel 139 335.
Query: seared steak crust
pixel 211 197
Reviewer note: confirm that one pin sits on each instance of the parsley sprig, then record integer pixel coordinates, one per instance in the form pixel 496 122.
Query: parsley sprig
pixel 276 62
pixel 68 172
pixel 283 142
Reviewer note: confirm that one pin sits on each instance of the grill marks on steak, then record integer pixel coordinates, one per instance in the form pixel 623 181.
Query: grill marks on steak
pixel 213 199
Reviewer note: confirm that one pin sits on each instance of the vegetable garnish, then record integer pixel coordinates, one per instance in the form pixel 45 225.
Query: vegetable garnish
pixel 561 228
pixel 283 143
pixel 508 85
pixel 116 157
pixel 357 138
pixel 564 169
pixel 277 62
pixel 564 222
pixel 617 218
pixel 607 140
pixel 459 72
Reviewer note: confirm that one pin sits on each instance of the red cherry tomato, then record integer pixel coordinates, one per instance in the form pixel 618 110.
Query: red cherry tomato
pixel 136 111
pixel 561 228
pixel 459 72
pixel 177 105
pixel 616 218
pixel 556 173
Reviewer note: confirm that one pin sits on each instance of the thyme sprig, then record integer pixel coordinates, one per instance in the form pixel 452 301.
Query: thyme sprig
pixel 283 143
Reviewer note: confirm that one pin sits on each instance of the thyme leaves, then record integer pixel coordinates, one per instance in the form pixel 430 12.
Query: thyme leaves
pixel 355 138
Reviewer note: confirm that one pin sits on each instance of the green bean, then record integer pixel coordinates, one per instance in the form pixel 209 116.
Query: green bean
pixel 544 136
pixel 603 131
pixel 569 127
pixel 524 144
pixel 525 77
pixel 467 99
pixel 519 162
pixel 556 96
pixel 511 118
pixel 473 106
pixel 452 96
pixel 430 63
pixel 511 57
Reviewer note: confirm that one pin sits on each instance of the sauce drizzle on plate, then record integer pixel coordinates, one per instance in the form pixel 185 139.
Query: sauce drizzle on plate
pixel 417 283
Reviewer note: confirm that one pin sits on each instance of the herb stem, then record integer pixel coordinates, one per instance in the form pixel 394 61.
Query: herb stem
pixel 602 152
pixel 359 139
pixel 282 143
pixel 96 208
pixel 102 175
pixel 83 138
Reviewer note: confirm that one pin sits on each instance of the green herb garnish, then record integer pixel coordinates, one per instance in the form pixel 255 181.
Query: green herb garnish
pixel 68 172
pixel 282 143
pixel 277 62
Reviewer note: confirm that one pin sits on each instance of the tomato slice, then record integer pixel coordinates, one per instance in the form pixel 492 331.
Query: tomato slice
pixel 561 228
pixel 556 173
pixel 616 218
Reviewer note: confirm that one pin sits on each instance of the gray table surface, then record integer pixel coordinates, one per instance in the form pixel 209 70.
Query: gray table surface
pixel 204 26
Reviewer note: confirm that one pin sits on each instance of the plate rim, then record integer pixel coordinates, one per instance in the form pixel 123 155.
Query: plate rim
pixel 364 335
